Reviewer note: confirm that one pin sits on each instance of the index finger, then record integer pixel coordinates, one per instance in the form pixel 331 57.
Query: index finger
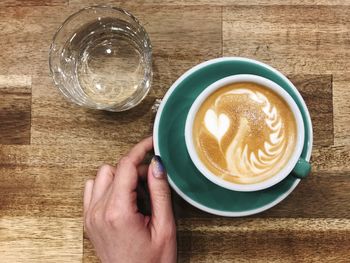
pixel 125 181
pixel 139 151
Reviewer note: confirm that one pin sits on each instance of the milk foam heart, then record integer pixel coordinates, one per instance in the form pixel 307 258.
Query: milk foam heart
pixel 217 126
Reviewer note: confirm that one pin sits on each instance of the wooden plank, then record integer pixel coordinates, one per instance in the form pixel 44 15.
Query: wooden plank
pixel 212 3
pixel 257 240
pixel 315 197
pixel 293 39
pixel 15 109
pixel 317 93
pixel 60 156
pixel 7 3
pixel 25 39
pixel 341 98
pixel 331 159
pixel 56 119
pixel 252 225
pixel 48 180
pixel 40 239
pixel 43 194
pixel 263 240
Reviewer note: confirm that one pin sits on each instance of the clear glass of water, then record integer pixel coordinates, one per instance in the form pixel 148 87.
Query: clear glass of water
pixel 101 58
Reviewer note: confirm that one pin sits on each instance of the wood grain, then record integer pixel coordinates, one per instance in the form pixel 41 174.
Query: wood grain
pixel 40 239
pixel 7 3
pixel 294 39
pixel 254 240
pixel 49 180
pixel 331 159
pixel 15 109
pixel 317 93
pixel 25 39
pixel 213 3
pixel 263 240
pixel 54 118
pixel 341 107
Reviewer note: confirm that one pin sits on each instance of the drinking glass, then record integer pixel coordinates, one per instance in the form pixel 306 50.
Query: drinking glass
pixel 101 58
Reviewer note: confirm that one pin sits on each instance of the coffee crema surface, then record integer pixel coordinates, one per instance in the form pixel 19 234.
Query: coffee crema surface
pixel 244 133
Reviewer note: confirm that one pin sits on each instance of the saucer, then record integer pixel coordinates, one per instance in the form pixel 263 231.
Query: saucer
pixel 169 140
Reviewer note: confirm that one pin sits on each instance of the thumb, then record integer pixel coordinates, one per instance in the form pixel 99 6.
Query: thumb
pixel 162 214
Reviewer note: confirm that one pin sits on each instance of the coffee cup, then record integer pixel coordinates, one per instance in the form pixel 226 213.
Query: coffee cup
pixel 246 133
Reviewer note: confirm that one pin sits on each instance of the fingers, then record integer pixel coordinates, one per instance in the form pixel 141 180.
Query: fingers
pixel 87 195
pixel 103 180
pixel 162 213
pixel 123 178
pixel 127 171
pixel 139 151
pixel 127 175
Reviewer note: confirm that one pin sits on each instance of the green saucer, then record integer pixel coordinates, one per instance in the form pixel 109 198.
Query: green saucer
pixel 169 140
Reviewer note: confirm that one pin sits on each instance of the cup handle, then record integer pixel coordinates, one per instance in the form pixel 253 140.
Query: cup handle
pixel 301 169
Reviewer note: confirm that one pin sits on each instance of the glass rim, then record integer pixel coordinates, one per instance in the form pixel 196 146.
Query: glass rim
pixel 105 7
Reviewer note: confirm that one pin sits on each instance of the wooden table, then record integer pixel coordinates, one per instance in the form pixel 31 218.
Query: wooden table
pixel 49 147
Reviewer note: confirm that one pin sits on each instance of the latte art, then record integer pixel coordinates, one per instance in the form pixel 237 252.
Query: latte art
pixel 253 163
pixel 244 133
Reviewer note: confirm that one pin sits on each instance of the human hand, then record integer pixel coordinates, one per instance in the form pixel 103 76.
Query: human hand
pixel 116 228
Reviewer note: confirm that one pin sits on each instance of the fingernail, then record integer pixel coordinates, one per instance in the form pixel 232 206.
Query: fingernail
pixel 158 169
